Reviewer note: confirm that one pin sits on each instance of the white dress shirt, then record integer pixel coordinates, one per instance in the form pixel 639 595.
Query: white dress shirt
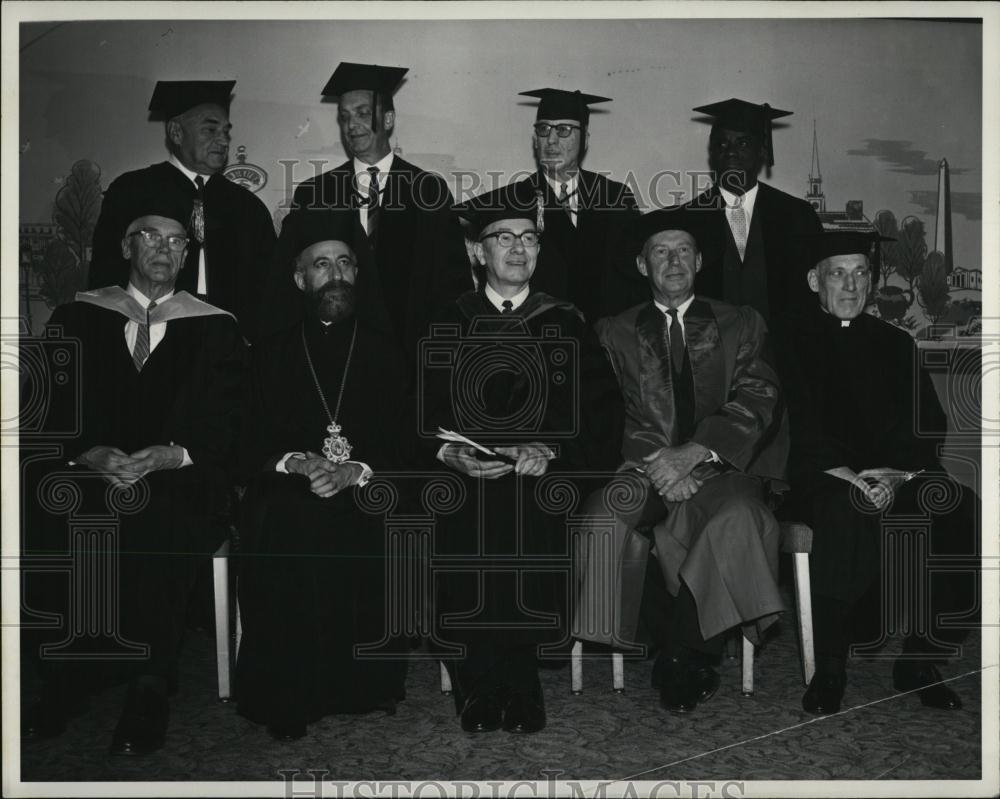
pixel 364 180
pixel 156 332
pixel 202 274
pixel 574 197
pixel 497 301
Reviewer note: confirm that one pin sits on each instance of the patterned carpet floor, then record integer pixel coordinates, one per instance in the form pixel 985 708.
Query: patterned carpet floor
pixel 880 735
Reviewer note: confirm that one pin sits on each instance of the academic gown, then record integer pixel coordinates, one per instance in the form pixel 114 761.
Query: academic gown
pixel 592 264
pixel 313 571
pixel 774 246
pixel 419 256
pixel 188 393
pixel 239 239
pixel 722 543
pixel 537 374
pixel 858 398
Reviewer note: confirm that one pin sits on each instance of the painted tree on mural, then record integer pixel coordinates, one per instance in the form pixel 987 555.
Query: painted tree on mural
pixel 932 287
pixel 63 270
pixel 885 223
pixel 911 249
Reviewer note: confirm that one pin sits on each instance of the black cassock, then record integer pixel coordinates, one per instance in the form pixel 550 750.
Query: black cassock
pixel 857 397
pixel 536 375
pixel 312 580
pixel 188 393
pixel 239 238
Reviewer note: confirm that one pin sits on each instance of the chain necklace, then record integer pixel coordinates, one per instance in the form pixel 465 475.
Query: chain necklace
pixel 336 447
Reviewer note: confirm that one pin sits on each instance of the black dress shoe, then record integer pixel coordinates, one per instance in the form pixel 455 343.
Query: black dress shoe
pixel 142 727
pixel 482 713
pixel 824 693
pixel 286 730
pixel 525 713
pixel 924 678
pixel 683 684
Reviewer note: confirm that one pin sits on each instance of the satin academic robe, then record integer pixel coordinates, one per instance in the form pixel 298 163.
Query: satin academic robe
pixel 188 393
pixel 857 397
pixel 313 571
pixel 592 264
pixel 723 542
pixel 419 255
pixel 239 238
pixel 535 375
pixel 774 253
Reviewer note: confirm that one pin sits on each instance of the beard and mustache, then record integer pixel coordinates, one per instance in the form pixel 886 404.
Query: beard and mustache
pixel 334 301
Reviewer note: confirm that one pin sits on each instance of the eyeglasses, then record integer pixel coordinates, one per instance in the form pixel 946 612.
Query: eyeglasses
pixel 506 238
pixel 154 239
pixel 543 129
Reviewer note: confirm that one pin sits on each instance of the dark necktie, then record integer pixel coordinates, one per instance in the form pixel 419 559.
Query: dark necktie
pixel 676 341
pixel 140 352
pixel 564 201
pixel 373 207
pixel 508 307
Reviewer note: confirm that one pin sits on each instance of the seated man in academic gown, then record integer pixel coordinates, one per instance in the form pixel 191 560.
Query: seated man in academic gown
pixel 704 434
pixel 867 430
pixel 327 409
pixel 526 379
pixel 155 422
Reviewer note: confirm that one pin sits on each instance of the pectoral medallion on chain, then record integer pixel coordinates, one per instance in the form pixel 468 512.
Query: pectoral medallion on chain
pixel 336 447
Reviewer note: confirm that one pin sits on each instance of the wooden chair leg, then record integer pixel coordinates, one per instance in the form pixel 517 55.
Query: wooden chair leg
pixel 445 679
pixel 618 672
pixel 576 668
pixel 747 667
pixel 220 574
pixel 803 601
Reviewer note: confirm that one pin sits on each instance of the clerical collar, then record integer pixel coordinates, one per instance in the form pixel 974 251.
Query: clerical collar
pixel 681 309
pixel 746 200
pixel 557 184
pixel 187 172
pixel 143 300
pixel 497 301
pixel 833 320
pixel 383 165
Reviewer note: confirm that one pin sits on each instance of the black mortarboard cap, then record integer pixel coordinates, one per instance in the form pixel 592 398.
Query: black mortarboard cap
pixel 843 242
pixel 158 199
pixel 381 81
pixel 695 221
pixel 514 201
pixel 173 97
pixel 306 227
pixel 348 77
pixel 740 115
pixel 561 104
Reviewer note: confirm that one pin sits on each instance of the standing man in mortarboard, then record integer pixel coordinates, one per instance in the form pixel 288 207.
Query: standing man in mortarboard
pixel 154 420
pixel 230 231
pixel 586 216
pixel 519 371
pixel 402 215
pixel 750 255
pixel 867 430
